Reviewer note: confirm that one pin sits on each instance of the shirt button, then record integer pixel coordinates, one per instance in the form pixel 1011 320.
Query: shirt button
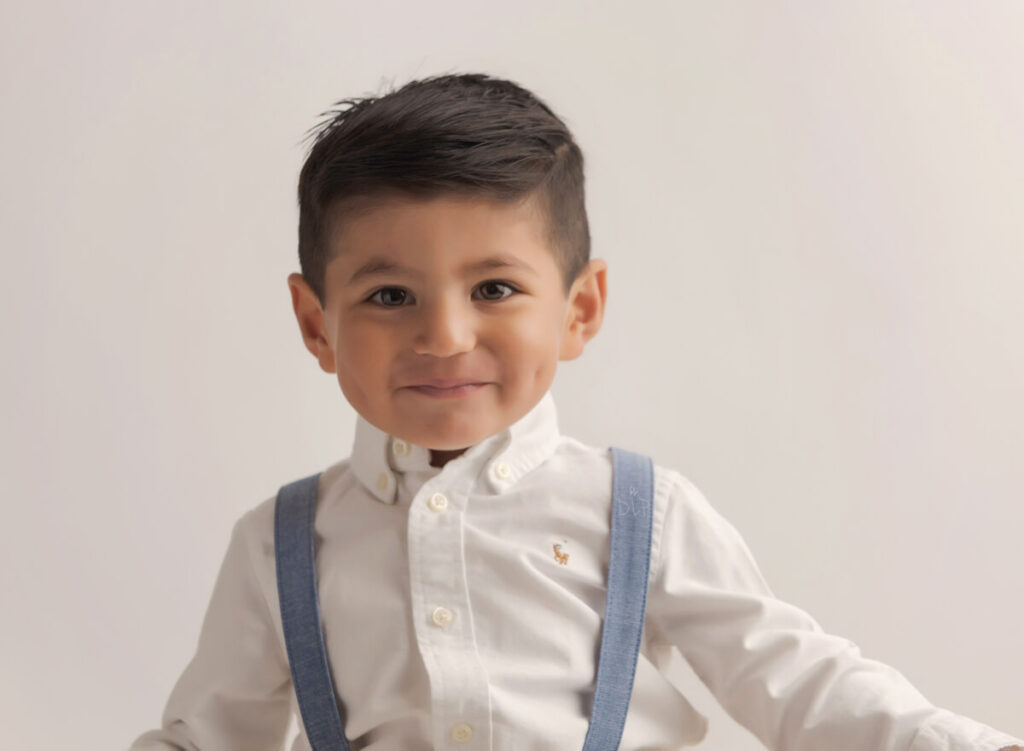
pixel 462 732
pixel 438 502
pixel 401 447
pixel 442 617
pixel 502 470
pixel 382 481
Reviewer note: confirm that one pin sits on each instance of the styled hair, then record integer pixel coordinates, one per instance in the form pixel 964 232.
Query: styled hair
pixel 463 134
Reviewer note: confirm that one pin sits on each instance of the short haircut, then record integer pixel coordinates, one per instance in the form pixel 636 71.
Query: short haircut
pixel 463 134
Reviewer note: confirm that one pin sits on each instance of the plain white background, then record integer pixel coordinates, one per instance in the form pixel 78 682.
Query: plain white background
pixel 812 218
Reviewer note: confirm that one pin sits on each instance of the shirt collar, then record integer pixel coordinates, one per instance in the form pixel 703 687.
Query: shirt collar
pixel 491 466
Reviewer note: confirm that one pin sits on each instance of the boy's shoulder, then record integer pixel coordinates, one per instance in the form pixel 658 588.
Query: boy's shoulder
pixel 671 486
pixel 327 479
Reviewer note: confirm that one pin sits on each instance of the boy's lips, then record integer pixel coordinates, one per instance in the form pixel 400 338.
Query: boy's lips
pixel 442 383
pixel 448 393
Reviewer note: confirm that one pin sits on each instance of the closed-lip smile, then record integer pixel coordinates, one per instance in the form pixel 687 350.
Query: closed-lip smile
pixel 440 383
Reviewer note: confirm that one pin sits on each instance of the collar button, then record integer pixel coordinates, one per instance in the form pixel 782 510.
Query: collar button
pixel 502 470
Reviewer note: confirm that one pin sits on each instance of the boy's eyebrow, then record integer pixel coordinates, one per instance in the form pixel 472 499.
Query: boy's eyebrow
pixel 376 266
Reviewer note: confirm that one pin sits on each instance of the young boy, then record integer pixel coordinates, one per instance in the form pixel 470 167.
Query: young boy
pixel 478 585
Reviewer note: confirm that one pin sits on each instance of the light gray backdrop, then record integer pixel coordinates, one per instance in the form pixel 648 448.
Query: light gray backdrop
pixel 812 218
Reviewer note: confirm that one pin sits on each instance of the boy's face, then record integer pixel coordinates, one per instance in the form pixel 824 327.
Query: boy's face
pixel 389 331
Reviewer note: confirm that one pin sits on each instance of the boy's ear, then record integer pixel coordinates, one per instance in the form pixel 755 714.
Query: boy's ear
pixel 311 321
pixel 586 309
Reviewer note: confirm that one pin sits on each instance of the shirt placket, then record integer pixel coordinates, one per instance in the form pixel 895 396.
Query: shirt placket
pixel 460 699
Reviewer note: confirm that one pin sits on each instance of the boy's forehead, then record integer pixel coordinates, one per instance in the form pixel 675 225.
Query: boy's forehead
pixel 396 209
pixel 379 265
pixel 389 233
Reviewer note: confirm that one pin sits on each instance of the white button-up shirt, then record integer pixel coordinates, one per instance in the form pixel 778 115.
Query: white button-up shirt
pixel 462 608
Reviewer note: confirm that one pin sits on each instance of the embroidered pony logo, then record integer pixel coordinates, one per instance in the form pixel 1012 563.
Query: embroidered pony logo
pixel 561 557
pixel 633 503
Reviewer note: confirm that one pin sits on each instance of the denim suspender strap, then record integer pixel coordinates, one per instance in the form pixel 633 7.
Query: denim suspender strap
pixel 626 598
pixel 294 512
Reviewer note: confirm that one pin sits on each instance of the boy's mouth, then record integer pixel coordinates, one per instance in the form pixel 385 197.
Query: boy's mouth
pixel 452 392
pixel 446 383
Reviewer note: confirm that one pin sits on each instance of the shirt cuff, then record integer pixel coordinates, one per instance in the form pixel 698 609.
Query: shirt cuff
pixel 947 731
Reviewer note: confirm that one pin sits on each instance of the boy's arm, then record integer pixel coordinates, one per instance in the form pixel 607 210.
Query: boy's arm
pixel 769 664
pixel 235 694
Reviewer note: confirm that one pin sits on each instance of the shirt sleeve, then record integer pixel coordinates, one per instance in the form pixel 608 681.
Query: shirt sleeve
pixel 769 664
pixel 235 694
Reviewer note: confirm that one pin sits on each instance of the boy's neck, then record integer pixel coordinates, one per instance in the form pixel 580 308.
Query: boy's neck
pixel 440 458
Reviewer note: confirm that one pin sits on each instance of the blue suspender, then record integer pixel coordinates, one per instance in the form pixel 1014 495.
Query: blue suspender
pixel 294 512
pixel 626 598
pixel 625 603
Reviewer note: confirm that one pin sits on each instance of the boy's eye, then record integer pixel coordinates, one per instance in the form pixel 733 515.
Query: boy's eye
pixel 488 285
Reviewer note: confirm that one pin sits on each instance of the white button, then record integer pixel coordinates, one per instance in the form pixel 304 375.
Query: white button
pixel 382 481
pixel 401 447
pixel 442 617
pixel 438 502
pixel 462 732
pixel 503 470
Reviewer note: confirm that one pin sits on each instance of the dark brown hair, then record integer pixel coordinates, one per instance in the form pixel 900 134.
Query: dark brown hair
pixel 464 134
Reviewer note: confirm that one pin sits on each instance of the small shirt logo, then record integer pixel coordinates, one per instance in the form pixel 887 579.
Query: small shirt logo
pixel 561 557
pixel 634 503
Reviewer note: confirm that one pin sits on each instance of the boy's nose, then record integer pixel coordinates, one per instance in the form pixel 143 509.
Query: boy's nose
pixel 444 329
